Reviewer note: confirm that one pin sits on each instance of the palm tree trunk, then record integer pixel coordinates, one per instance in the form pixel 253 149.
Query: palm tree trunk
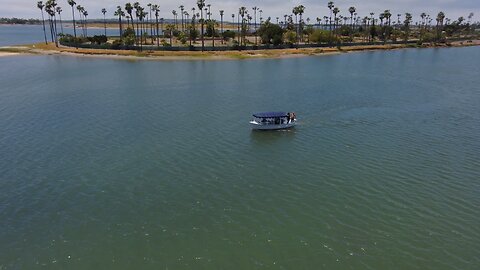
pixel 137 30
pixel 55 30
pixel 86 31
pixel 239 33
pixel 158 39
pixel 203 41
pixel 120 25
pixel 150 22
pixel 61 24
pixel 213 36
pixel 44 32
pixel 105 24
pixel 74 27
pixel 141 36
pixel 50 22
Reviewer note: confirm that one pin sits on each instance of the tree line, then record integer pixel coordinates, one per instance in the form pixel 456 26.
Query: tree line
pixel 19 21
pixel 141 25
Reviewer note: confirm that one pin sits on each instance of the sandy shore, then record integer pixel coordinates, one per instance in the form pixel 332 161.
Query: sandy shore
pixel 3 54
pixel 50 49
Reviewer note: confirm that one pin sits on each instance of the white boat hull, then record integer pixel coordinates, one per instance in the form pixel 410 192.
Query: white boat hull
pixel 260 126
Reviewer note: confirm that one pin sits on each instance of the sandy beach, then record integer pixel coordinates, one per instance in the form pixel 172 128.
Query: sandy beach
pixel 50 49
pixel 4 54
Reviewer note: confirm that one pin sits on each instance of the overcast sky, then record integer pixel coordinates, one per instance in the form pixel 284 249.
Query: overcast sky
pixel 273 8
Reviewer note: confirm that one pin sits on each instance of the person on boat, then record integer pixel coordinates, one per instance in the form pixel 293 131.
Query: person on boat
pixel 291 117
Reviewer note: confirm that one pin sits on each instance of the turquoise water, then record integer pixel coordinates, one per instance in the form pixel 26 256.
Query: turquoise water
pixel 115 164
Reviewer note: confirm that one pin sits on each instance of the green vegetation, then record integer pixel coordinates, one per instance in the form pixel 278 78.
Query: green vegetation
pixel 270 33
pixel 141 26
pixel 19 21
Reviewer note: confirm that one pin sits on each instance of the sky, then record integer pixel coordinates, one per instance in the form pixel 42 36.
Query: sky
pixel 271 8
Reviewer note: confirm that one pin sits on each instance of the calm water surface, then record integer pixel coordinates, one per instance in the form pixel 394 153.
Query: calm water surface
pixel 113 164
pixel 28 34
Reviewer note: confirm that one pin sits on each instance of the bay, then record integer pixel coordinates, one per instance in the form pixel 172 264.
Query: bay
pixel 28 34
pixel 151 164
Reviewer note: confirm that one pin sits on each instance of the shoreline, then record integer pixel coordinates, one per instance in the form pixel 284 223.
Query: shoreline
pixel 50 49
pixel 5 54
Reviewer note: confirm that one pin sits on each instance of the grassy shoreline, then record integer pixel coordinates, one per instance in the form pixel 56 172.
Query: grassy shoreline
pixel 50 49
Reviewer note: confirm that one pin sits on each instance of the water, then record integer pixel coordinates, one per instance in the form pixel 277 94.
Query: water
pixel 115 164
pixel 28 34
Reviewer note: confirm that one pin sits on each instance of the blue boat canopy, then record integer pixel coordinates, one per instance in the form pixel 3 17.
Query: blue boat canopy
pixel 270 114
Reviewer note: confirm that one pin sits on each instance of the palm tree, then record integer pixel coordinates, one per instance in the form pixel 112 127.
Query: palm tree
pixel 440 18
pixel 407 21
pixel 85 14
pixel 162 20
pixel 423 16
pixel 104 20
pixel 295 12
pixel 242 12
pixel 59 10
pixel 191 33
pixel 212 22
pixel 72 3
pixel 51 5
pixel 336 10
pixel 40 5
pixel 221 23
pixel 201 4
pixel 174 12
pixel 129 9
pixel 156 9
pixel 330 7
pixel 50 9
pixel 388 15
pixel 372 27
pixel 301 10
pixel 187 17
pixel 182 8
pixel 150 6
pixel 119 12
pixel 143 15
pixel 255 22
pixel 364 22
pixel 351 10
pixel 80 13
pixel 137 8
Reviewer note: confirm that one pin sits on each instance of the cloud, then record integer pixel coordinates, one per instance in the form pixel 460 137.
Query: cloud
pixel 271 8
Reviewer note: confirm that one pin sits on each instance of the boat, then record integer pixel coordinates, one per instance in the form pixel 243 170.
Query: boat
pixel 273 120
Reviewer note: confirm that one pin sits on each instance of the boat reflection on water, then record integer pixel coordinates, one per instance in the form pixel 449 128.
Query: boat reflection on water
pixel 262 137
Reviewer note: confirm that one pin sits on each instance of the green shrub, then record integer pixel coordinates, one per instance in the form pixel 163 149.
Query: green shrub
pixel 166 44
pixel 228 34
pixel 102 39
pixel 70 40
pixel 116 44
pixel 290 37
pixel 322 36
pixel 270 33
